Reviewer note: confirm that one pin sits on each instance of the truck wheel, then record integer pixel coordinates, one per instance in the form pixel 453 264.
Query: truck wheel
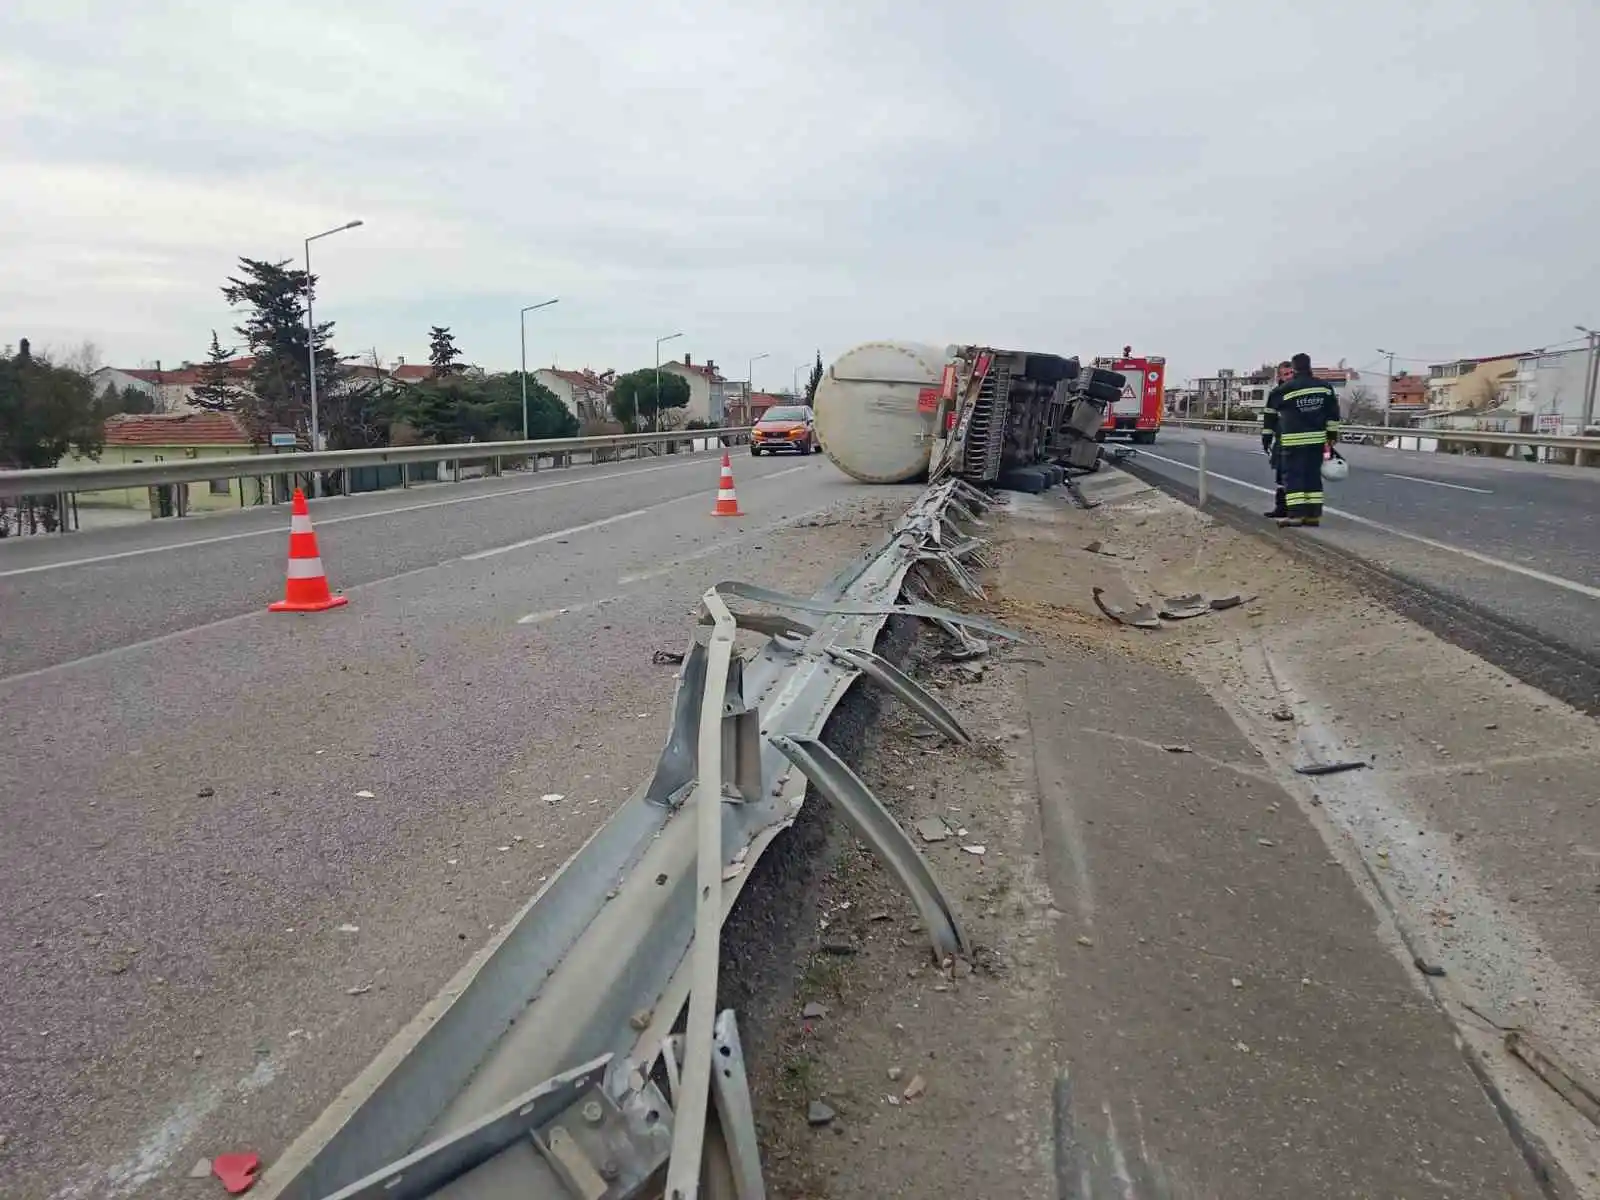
pixel 1103 391
pixel 755 451
pixel 1145 437
pixel 1047 368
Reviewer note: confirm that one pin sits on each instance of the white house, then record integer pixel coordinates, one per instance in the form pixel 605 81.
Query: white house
pixel 172 391
pixel 1550 387
pixel 586 394
pixel 706 394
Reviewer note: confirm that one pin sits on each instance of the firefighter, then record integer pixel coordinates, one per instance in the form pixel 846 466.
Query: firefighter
pixel 1269 439
pixel 1308 426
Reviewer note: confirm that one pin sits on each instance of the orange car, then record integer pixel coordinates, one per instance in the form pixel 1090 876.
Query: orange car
pixel 786 428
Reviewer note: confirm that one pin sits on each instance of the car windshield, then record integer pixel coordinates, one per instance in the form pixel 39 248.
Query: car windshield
pixel 784 414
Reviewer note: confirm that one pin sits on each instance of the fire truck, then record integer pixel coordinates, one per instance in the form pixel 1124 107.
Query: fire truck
pixel 1137 413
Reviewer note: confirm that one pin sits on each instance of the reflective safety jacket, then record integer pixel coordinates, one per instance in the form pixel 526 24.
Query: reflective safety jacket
pixel 1302 412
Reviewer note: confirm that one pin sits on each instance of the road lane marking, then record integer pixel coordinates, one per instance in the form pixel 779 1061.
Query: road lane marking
pixel 1570 585
pixel 339 520
pixel 1460 487
pixel 550 614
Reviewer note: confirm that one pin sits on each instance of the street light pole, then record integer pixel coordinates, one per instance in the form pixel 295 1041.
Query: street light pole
pixel 1388 394
pixel 522 319
pixel 750 382
pixel 659 340
pixel 311 352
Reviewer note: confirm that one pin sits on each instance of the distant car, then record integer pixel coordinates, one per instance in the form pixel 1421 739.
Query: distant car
pixel 789 428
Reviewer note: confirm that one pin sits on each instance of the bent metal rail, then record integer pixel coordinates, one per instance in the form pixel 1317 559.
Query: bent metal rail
pixel 534 1072
pixel 61 481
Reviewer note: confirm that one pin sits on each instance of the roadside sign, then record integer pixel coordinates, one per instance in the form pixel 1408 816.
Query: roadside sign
pixel 281 441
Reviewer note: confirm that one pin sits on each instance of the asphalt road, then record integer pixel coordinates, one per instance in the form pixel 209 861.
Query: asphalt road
pixel 1519 541
pixel 238 850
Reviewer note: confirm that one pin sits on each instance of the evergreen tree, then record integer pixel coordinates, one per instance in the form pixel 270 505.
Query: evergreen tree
pixel 274 330
pixel 45 410
pixel 216 391
pixel 442 352
pixel 814 381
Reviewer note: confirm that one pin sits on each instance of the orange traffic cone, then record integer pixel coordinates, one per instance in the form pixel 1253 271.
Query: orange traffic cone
pixel 727 502
pixel 307 586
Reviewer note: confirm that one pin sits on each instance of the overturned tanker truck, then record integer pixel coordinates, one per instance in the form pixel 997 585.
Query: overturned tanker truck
pixel 896 412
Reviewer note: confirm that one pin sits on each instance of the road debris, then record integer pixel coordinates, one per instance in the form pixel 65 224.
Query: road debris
pixel 1335 768
pixel 896 1074
pixel 237 1171
pixel 640 1021
pixel 666 658
pixel 915 1088
pixel 818 1114
pixel 1184 608
pixel 1085 940
pixel 1142 616
pixel 201 1169
pixel 1282 714
pixel 1583 1094
pixel 814 1011
pixel 979 851
pixel 933 829
pixel 1433 970
pixel 552 797
pixel 363 794
pixel 360 990
pixel 1178 749
pixel 206 793
pixel 347 928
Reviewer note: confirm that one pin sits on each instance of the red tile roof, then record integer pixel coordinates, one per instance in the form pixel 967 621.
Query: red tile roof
pixel 177 429
pixel 1334 374
pixel 189 374
pixel 413 372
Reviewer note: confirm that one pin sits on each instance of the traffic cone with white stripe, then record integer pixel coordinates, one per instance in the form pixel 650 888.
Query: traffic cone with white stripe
pixel 306 589
pixel 727 502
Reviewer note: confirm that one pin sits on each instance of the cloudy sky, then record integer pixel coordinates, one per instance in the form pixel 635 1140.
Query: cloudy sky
pixel 1222 182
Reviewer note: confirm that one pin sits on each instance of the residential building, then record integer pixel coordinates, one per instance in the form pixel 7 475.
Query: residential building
pixel 1408 394
pixel 172 391
pixel 1550 388
pixel 1247 391
pixel 707 395
pixel 586 394
pixel 173 437
pixel 411 372
pixel 1472 383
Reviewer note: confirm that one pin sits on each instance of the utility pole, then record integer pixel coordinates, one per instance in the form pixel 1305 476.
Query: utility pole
pixel 1591 377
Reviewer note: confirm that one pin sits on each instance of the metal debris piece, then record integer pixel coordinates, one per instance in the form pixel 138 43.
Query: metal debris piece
pixel 892 679
pixel 1183 608
pixel 665 658
pixel 1336 768
pixel 1432 970
pixel 1223 603
pixel 874 825
pixel 1142 617
pixel 1583 1094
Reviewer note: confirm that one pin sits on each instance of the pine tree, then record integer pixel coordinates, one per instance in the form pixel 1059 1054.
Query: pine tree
pixel 442 352
pixel 274 329
pixel 814 381
pixel 216 391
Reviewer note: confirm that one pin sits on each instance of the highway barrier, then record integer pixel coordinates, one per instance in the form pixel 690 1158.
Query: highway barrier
pixel 58 485
pixel 1575 450
pixel 549 1067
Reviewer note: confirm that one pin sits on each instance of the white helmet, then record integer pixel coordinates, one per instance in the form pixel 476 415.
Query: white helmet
pixel 1335 468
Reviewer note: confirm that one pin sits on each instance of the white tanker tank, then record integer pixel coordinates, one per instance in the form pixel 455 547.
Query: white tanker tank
pixel 893 412
pixel 871 418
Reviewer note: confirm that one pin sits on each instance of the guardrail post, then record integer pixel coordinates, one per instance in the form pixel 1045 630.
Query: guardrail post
pixel 344 481
pixel 1205 478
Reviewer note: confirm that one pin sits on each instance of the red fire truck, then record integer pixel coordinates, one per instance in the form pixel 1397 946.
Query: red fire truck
pixel 1137 415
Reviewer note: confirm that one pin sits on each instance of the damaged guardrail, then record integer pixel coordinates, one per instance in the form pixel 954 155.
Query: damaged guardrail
pixel 549 1067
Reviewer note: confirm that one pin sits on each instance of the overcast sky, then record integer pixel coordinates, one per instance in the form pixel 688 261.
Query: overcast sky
pixel 1223 182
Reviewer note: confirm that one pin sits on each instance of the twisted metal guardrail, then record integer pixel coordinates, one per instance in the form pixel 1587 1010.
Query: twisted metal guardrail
pixel 549 1067
pixel 60 481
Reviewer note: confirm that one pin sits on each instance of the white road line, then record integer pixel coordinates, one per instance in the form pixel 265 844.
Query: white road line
pixel 1570 585
pixel 1460 487
pixel 338 520
pixel 550 614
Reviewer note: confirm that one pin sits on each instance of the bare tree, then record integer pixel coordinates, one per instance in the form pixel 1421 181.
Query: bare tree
pixel 1360 407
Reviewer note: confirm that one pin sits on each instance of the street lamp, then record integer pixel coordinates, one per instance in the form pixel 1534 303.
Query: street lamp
pixel 1388 391
pixel 522 319
pixel 750 381
pixel 311 351
pixel 659 340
